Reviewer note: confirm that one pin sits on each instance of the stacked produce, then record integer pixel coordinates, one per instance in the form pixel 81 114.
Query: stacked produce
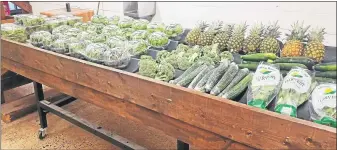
pixel 325 71
pixel 206 37
pixel 270 44
pixel 315 48
pixel 294 45
pixel 236 41
pixel 193 36
pixel 223 36
pixel 254 39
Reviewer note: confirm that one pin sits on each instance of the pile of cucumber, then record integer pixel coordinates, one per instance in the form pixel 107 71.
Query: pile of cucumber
pixel 325 72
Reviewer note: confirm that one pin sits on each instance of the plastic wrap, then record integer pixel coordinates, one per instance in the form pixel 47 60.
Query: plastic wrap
pixel 18 19
pixel 59 46
pixel 115 42
pixel 33 20
pixel 13 32
pixel 323 104
pixel 140 24
pixel 61 29
pixel 72 32
pixel 125 22
pixel 52 24
pixel 155 27
pixel 85 35
pixel 117 57
pixel 71 20
pixel 126 32
pixel 100 19
pixel 114 20
pixel 81 25
pixel 139 35
pixel 265 85
pixel 94 52
pixel 137 47
pixel 41 39
pixel 295 90
pixel 174 31
pixel 98 38
pixel 158 40
pixel 111 30
pixel 95 27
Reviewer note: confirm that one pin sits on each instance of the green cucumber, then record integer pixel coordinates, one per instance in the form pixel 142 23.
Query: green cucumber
pixel 289 66
pixel 225 79
pixel 259 56
pixel 251 66
pixel 202 83
pixel 326 67
pixel 199 77
pixel 238 88
pixel 251 62
pixel 240 75
pixel 301 60
pixel 216 75
pixel 188 71
pixel 326 74
pixel 326 80
pixel 188 79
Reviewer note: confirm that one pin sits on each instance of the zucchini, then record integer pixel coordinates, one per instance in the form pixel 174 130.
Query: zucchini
pixel 252 66
pixel 301 60
pixel 199 77
pixel 240 75
pixel 216 75
pixel 326 80
pixel 188 79
pixel 289 66
pixel 259 57
pixel 225 79
pixel 238 88
pixel 188 71
pixel 201 84
pixel 326 67
pixel 251 62
pixel 326 74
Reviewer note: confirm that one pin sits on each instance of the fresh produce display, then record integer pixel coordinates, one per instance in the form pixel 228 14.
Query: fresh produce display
pixel 173 30
pixel 309 63
pixel 294 45
pixel 295 90
pixel 59 46
pixel 265 85
pixel 100 19
pixel 223 36
pixel 118 57
pixel 186 80
pixel 193 36
pixel 238 88
pixel 115 41
pixel 111 30
pixel 270 44
pixel 254 39
pixel 188 71
pixel 72 32
pixel 202 73
pixel 165 71
pixel 242 73
pixel 315 48
pixel 18 19
pixel 52 24
pixel 126 32
pixel 139 35
pixel 216 75
pixel 147 66
pixel 235 42
pixel 137 47
pixel 114 20
pixel 33 20
pixel 125 22
pixel 158 39
pixel 77 47
pixel 226 79
pixel 155 27
pixel 72 20
pixel 259 57
pixel 326 74
pixel 81 25
pixel 13 32
pixel 206 37
pixel 226 55
pixel 41 38
pixel 61 29
pixel 202 83
pixel 323 104
pixel 95 28
pixel 98 38
pixel 140 24
pixel 326 67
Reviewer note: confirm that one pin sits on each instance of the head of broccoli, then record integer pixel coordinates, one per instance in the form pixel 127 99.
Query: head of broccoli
pixel 147 66
pixel 165 71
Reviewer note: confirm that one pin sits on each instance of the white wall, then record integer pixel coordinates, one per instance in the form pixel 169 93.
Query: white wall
pixel 322 14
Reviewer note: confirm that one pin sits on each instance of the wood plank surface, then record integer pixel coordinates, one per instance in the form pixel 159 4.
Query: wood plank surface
pixel 172 127
pixel 252 126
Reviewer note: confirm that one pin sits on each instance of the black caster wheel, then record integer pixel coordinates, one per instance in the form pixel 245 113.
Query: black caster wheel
pixel 42 134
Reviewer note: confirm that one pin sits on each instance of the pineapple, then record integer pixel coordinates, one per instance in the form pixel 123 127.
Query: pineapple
pixel 207 37
pixel 193 36
pixel 235 43
pixel 294 45
pixel 253 41
pixel 315 48
pixel 270 44
pixel 223 37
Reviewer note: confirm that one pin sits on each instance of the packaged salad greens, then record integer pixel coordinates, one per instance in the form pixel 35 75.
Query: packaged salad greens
pixel 139 35
pixel 295 90
pixel 265 85
pixel 41 38
pixel 81 25
pixel 323 104
pixel 59 46
pixel 117 57
pixel 115 42
pixel 114 20
pixel 137 47
pixel 61 29
pixel 13 32
pixel 140 24
pixel 100 19
pixel 33 20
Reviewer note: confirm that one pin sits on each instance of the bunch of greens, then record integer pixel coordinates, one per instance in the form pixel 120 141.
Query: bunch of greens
pixel 111 30
pixel 81 25
pixel 95 51
pixel 165 72
pixel 173 30
pixel 72 20
pixel 115 41
pixel 95 27
pixel 155 27
pixel 126 32
pixel 52 24
pixel 72 32
pixel 41 38
pixel 114 20
pixel 77 47
pixel 59 46
pixel 13 32
pixel 85 35
pixel 140 24
pixel 18 19
pixel 139 35
pixel 117 57
pixel 147 66
pixel 33 20
pixel 61 29
pixel 100 19
pixel 137 47
pixel 158 39
pixel 125 22
pixel 98 38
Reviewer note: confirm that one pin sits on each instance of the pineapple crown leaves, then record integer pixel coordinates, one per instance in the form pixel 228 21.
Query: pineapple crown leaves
pixel 272 30
pixel 298 32
pixel 202 25
pixel 228 28
pixel 317 34
pixel 215 26
pixel 256 30
pixel 240 29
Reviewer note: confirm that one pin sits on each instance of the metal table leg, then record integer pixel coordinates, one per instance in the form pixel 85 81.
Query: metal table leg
pixel 182 145
pixel 42 113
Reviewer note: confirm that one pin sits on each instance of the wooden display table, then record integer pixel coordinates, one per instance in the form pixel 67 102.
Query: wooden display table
pixel 86 14
pixel 202 120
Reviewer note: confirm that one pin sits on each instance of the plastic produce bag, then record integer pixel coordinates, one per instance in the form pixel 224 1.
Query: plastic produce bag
pixel 115 41
pixel 18 19
pixel 125 22
pixel 265 85
pixel 72 32
pixel 155 27
pixel 114 20
pixel 95 27
pixel 71 20
pixel 100 19
pixel 61 29
pixel 140 24
pixel 295 90
pixel 52 24
pixel 41 39
pixel 81 25
pixel 139 35
pixel 323 104
pixel 94 52
pixel 59 46
pixel 174 31
pixel 137 47
pixel 117 57
pixel 85 35
pixel 125 32
pixel 33 20
pixel 158 40
pixel 111 30
pixel 13 32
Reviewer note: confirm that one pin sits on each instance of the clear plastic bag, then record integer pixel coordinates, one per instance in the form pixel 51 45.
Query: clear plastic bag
pixel 13 32
pixel 81 25
pixel 98 38
pixel 95 27
pixel 115 41
pixel 85 35
pixel 41 39
pixel 140 24
pixel 18 19
pixel 158 40
pixel 71 20
pixel 100 19
pixel 174 31
pixel 72 32
pixel 125 32
pixel 52 24
pixel 114 20
pixel 155 27
pixel 61 29
pixel 323 104
pixel 137 47
pixel 139 35
pixel 33 20
pixel 59 46
pixel 110 30
pixel 125 22
pixel 265 85
pixel 94 52
pixel 296 88
pixel 117 57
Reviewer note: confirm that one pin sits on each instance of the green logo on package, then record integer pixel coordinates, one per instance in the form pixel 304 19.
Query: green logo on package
pixel 296 74
pixel 329 91
pixel 265 71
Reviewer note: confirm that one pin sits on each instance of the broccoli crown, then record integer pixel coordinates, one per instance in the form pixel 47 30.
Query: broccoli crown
pixel 165 71
pixel 147 66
